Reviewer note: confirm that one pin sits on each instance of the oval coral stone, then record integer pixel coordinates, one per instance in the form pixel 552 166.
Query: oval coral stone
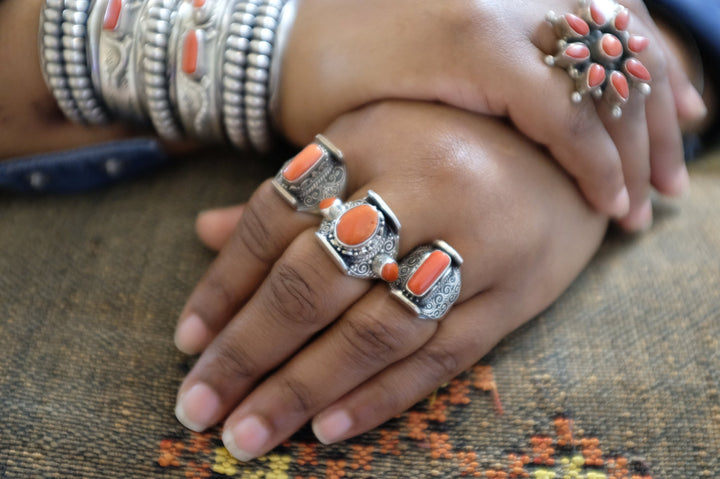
pixel 638 70
pixel 190 53
pixel 429 271
pixel 577 24
pixel 357 225
pixel 611 45
pixel 578 51
pixel 112 14
pixel 596 75
pixel 302 162
pixel 621 85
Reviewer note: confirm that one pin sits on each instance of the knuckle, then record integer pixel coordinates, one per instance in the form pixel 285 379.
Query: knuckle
pixel 370 338
pixel 294 298
pixel 232 363
pixel 298 395
pixel 441 361
pixel 215 300
pixel 259 240
pixel 580 122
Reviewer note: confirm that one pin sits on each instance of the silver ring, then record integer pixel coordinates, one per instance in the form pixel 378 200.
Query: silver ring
pixel 362 237
pixel 429 280
pixel 599 54
pixel 316 173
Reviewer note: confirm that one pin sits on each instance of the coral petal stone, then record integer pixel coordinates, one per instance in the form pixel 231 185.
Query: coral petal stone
pixel 637 44
pixel 577 51
pixel 596 75
pixel 620 84
pixel 302 163
pixel 577 24
pixel 112 15
pixel 390 272
pixel 199 3
pixel 428 273
pixel 638 70
pixel 622 20
pixel 597 14
pixel 611 45
pixel 190 53
pixel 357 225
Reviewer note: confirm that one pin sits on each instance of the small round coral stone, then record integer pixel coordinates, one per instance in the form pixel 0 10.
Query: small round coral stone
pixel 596 75
pixel 638 70
pixel 611 45
pixel 357 225
pixel 577 51
pixel 577 24
pixel 621 85
pixel 326 203
pixel 622 20
pixel 390 272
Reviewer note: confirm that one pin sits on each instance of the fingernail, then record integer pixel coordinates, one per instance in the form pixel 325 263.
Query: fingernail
pixel 198 407
pixel 621 203
pixel 694 103
pixel 680 185
pixel 247 439
pixel 332 427
pixel 191 335
pixel 641 220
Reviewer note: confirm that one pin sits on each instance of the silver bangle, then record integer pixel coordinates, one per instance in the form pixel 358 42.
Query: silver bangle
pixel 202 68
pixel 157 64
pixel 117 77
pixel 75 57
pixel 237 46
pixel 196 91
pixel 257 74
pixel 51 59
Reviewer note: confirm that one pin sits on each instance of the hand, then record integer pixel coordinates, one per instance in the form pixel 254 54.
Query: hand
pixel 286 336
pixel 488 57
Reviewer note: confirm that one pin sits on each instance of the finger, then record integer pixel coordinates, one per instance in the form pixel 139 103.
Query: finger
pixel 377 331
pixel 667 163
pixel 468 332
pixel 303 292
pixel 215 227
pixel 267 226
pixel 573 133
pixel 668 172
pixel 680 55
pixel 630 134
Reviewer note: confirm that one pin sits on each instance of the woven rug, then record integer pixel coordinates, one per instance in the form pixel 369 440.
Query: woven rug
pixel 619 379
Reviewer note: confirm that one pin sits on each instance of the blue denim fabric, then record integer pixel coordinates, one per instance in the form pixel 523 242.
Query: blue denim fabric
pixel 81 169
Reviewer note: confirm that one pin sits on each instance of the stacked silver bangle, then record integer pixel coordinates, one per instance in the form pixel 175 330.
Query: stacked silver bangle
pixel 191 68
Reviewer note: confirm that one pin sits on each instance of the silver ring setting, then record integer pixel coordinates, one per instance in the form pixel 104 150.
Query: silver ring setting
pixel 316 173
pixel 599 54
pixel 362 237
pixel 429 280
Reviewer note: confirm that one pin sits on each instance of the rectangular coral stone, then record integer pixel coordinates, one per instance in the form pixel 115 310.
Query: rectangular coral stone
pixel 428 273
pixel 302 162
